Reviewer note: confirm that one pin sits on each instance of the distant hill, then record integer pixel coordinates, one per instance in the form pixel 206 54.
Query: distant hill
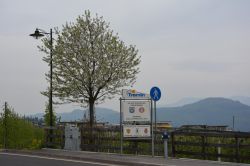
pixel 183 101
pixel 242 99
pixel 190 100
pixel 210 111
pixel 102 115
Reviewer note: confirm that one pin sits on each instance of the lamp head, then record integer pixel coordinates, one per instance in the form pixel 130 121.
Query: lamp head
pixel 37 34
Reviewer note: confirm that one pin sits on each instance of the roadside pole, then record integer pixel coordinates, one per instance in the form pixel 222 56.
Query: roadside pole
pixel 155 94
pixel 165 138
pixel 166 149
pixel 152 131
pixel 5 125
pixel 155 120
pixel 121 131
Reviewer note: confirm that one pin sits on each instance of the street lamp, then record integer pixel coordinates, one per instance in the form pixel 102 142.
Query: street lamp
pixel 38 34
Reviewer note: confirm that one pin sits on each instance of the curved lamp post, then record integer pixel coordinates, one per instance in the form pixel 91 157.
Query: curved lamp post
pixel 38 34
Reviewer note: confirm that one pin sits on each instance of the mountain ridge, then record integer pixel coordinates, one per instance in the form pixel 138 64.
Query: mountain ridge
pixel 209 111
pixel 190 100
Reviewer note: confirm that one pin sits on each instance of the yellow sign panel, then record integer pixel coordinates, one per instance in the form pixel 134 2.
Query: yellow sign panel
pixel 136 131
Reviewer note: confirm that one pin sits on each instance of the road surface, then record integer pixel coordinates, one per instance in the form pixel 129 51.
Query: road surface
pixel 55 157
pixel 7 159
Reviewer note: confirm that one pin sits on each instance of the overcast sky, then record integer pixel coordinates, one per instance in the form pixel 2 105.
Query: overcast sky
pixel 188 48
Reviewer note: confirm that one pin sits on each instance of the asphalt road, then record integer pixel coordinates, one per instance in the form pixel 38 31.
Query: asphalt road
pixel 75 158
pixel 28 160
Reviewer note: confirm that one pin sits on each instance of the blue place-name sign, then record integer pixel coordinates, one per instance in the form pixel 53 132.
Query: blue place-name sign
pixel 136 94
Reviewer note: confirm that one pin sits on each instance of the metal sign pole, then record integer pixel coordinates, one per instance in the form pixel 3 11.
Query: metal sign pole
pixel 155 94
pixel 155 120
pixel 152 129
pixel 121 133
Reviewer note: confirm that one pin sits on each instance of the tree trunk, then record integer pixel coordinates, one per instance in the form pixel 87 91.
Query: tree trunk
pixel 91 114
pixel 91 121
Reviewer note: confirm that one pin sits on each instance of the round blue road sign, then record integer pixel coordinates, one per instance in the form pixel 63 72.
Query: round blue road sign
pixel 155 93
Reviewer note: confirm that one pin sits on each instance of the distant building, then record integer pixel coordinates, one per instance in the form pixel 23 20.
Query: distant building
pixel 77 123
pixel 161 126
pixel 205 127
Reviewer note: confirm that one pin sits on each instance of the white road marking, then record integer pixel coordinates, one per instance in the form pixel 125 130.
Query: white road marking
pixel 51 158
pixel 76 161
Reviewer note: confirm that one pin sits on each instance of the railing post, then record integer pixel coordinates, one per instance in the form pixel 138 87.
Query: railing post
pixel 173 144
pixel 203 153
pixel 62 129
pixel 237 151
pixel 219 150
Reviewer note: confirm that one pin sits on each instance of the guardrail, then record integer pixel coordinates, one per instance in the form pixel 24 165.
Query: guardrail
pixel 220 145
pixel 201 144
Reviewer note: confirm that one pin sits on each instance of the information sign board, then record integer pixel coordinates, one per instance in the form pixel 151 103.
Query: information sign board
pixel 136 110
pixel 138 131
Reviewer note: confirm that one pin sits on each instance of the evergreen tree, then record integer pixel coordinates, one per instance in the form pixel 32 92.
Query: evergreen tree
pixel 47 116
pixel 16 132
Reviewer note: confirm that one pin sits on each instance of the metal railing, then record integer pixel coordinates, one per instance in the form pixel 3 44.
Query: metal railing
pixel 200 144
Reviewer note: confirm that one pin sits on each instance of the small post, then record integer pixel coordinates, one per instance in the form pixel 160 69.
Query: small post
pixel 166 149
pixel 165 138
pixel 173 144
pixel 203 152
